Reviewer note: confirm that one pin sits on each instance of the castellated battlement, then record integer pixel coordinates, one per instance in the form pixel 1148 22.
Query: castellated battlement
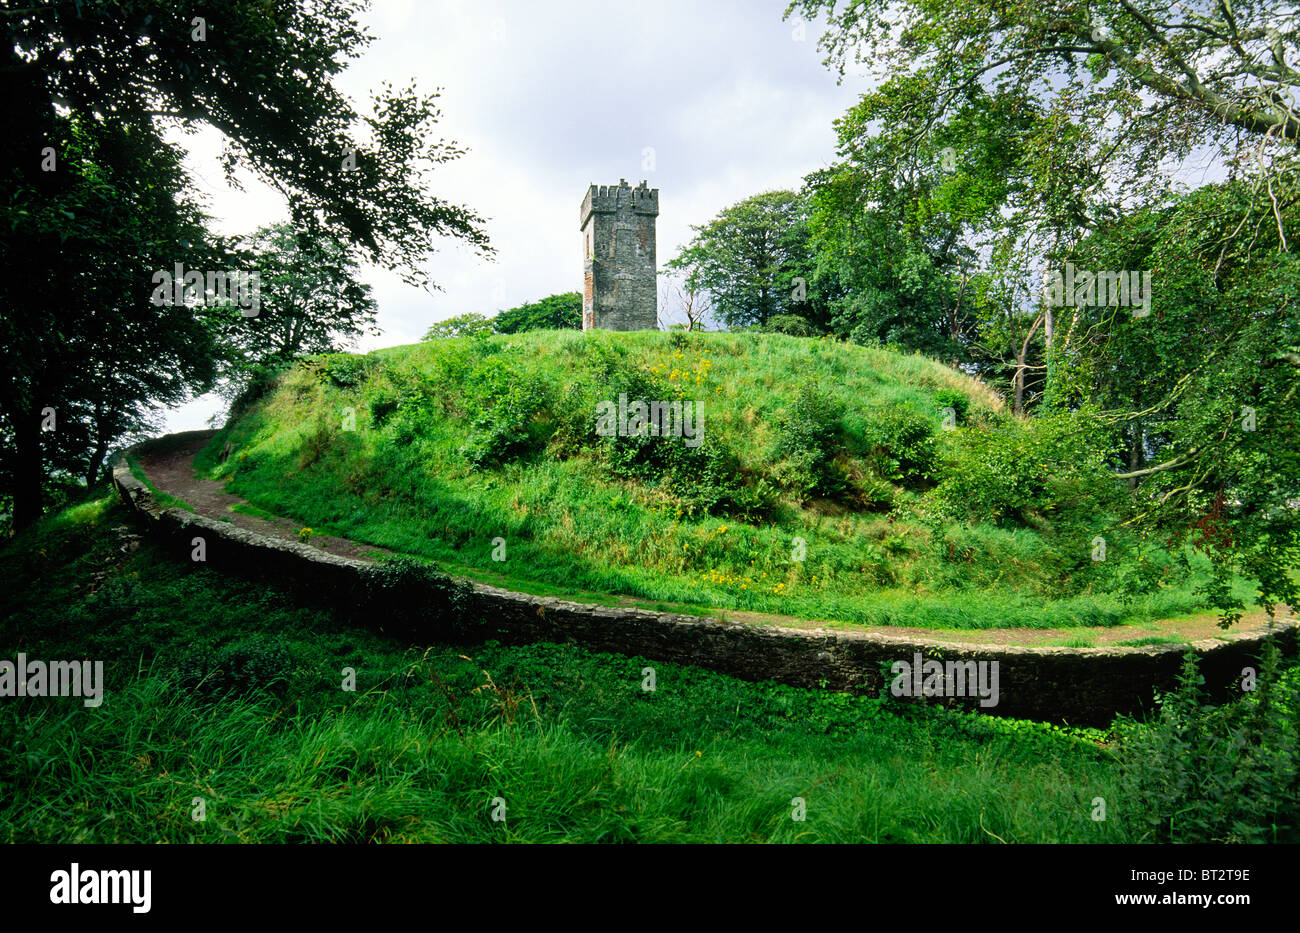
pixel 607 199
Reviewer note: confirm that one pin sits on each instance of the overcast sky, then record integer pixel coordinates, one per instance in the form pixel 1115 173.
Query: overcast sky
pixel 709 103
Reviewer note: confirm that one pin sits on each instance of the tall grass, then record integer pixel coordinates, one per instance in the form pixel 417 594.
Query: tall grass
pixel 231 694
pixel 225 699
pixel 379 771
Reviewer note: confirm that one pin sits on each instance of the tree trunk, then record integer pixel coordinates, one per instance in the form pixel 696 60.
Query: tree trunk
pixel 1019 381
pixel 96 466
pixel 96 462
pixel 1019 405
pixel 1135 453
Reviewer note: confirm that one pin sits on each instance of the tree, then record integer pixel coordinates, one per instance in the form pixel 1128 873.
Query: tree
pixel 1125 96
pixel 462 325
pixel 747 258
pixel 1157 80
pixel 554 312
pixel 83 352
pixel 89 91
pixel 692 303
pixel 894 278
pixel 310 302
pixel 925 230
pixel 1201 392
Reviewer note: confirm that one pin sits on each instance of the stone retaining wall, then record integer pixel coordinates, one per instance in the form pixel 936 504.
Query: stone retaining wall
pixel 1085 686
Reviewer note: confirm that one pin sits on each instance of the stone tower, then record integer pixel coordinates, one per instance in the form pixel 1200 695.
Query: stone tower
pixel 619 289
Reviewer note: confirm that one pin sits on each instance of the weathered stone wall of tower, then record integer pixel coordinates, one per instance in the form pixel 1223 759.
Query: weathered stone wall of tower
pixel 619 288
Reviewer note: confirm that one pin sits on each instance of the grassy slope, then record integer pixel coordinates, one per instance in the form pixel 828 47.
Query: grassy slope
pixel 569 522
pixel 230 692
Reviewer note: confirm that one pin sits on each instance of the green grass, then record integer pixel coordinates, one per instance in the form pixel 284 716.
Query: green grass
pixel 878 551
pixel 1151 640
pixel 568 738
pixel 228 691
pixel 378 769
pixel 247 509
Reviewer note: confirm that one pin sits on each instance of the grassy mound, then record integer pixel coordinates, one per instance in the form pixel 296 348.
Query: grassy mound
pixel 818 479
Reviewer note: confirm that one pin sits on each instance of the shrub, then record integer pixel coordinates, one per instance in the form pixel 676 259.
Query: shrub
pixel 874 493
pixel 706 478
pixel 1022 473
pixel 253 663
pixel 790 324
pixel 605 358
pixel 415 408
pixel 346 370
pixel 959 402
pixel 574 421
pixel 510 413
pixel 1232 774
pixel 807 434
pixel 382 404
pixel 900 445
pixel 645 456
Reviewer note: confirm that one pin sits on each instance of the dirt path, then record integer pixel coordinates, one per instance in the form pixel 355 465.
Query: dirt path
pixel 172 471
